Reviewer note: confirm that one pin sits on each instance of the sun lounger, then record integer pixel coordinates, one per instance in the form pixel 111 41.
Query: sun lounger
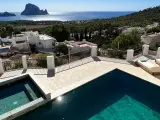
pixel 149 66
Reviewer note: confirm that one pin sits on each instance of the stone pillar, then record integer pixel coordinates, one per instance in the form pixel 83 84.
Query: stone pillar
pixel 93 51
pixel 1 67
pixel 50 63
pixel 158 53
pixel 145 49
pixel 24 62
pixel 130 55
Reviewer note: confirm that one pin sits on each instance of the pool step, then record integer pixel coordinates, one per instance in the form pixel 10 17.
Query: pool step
pixel 30 91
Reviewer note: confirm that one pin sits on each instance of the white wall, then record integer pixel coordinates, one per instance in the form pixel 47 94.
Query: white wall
pixel 20 46
pixel 23 46
pixel 33 40
pixel 23 38
pixel 45 43
pixel 18 39
pixel 49 43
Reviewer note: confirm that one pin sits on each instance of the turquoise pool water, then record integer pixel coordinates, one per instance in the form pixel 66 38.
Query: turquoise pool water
pixel 114 96
pixel 17 94
pixel 127 108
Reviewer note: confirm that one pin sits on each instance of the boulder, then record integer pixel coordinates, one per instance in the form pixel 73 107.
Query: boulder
pixel 31 9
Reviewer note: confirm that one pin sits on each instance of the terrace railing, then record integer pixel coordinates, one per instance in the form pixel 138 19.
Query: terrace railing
pixel 11 65
pixel 37 63
pixel 137 53
pixel 80 55
pixel 61 60
pixel 112 53
pixel 66 59
pixel 72 60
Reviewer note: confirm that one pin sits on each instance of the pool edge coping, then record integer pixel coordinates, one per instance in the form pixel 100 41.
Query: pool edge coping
pixel 29 106
pixel 22 109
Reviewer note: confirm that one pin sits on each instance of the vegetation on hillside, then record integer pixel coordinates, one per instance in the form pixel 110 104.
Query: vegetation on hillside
pixel 126 41
pixel 154 30
pixel 141 18
pixel 105 33
pixel 58 31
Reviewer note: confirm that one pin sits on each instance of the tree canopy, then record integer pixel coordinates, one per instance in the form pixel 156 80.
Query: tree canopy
pixel 126 41
pixel 59 32
pixel 61 48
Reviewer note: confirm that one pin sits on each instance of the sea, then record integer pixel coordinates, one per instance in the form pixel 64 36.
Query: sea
pixel 67 16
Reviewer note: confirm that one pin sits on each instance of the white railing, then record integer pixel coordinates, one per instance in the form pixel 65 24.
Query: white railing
pixel 49 63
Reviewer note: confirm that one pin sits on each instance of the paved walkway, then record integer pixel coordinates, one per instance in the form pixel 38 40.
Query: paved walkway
pixel 70 79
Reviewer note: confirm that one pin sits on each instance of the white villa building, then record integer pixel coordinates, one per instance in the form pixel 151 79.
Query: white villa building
pixel 5 40
pixel 45 42
pixel 40 41
pixel 21 42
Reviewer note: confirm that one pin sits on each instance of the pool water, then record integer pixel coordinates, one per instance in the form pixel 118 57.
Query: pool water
pixel 127 108
pixel 17 94
pixel 114 96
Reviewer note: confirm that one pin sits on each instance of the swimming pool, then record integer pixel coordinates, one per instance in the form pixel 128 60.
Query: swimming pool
pixel 16 94
pixel 3 49
pixel 114 96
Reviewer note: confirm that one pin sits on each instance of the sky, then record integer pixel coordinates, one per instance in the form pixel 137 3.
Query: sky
pixel 79 5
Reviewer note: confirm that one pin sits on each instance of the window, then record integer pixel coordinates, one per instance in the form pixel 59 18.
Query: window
pixel 20 42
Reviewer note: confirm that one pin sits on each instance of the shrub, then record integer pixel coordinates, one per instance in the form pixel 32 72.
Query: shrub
pixel 62 48
pixel 42 60
pixel 126 41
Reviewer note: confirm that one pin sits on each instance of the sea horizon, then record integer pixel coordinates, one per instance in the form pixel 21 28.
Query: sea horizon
pixel 68 16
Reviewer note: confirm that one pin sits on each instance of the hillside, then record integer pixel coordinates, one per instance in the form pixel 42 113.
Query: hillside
pixel 141 18
pixel 6 14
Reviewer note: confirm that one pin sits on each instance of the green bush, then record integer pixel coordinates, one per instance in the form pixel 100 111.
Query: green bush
pixel 61 48
pixel 17 65
pixel 126 41
pixel 153 30
pixel 116 54
pixel 42 60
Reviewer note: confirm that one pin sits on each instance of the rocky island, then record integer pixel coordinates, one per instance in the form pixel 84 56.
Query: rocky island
pixel 32 9
pixel 6 14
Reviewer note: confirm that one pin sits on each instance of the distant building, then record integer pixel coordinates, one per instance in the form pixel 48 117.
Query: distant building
pixel 32 36
pixel 45 42
pixel 152 40
pixel 6 40
pixel 75 46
